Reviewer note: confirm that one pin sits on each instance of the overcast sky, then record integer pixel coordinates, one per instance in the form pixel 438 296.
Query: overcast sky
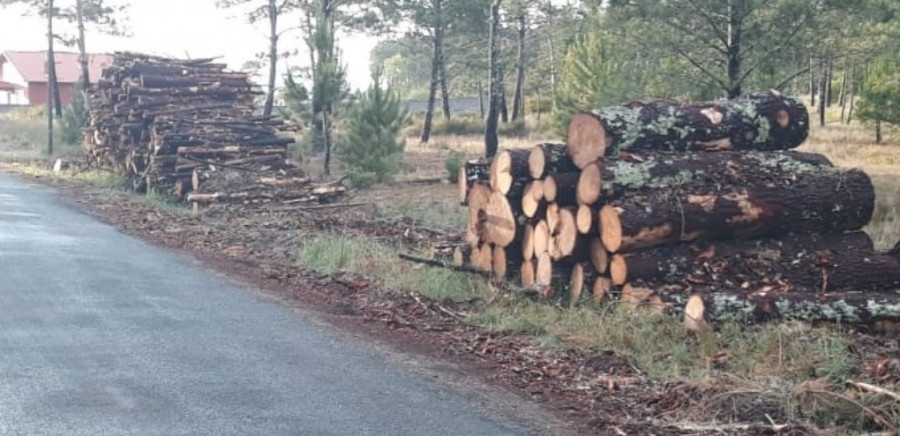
pixel 180 28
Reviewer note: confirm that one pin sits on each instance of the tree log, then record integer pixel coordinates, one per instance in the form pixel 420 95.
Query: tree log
pixel 478 198
pixel 599 256
pixel 764 121
pixel 533 198
pixel 503 223
pixel 586 219
pixel 560 188
pixel 807 262
pixel 608 179
pixel 827 202
pixel 507 168
pixel 470 174
pixel 549 159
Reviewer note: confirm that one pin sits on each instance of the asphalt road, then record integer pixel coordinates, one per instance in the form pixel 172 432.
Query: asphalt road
pixel 102 334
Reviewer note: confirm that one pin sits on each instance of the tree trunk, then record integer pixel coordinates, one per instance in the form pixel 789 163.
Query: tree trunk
pixel 481 99
pixel 763 121
pixel 842 96
pixel 548 159
pixel 609 179
pixel 445 89
pixel 437 55
pixel 829 75
pixel 812 84
pixel 552 71
pixel 518 98
pixel 504 108
pixel 733 53
pixel 822 96
pixel 273 58
pixel 490 127
pixel 827 202
pixel 326 127
pixel 85 78
pixel 878 131
pixel 50 83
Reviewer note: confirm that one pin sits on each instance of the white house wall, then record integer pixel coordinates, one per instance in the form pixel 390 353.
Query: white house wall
pixel 12 75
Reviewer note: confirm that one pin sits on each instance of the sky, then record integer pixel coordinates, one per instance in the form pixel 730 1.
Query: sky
pixel 182 28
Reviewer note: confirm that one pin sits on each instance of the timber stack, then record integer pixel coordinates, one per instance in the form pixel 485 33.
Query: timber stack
pixel 700 209
pixel 188 128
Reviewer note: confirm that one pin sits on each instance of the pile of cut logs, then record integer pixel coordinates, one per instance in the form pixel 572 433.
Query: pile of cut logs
pixel 187 127
pixel 697 209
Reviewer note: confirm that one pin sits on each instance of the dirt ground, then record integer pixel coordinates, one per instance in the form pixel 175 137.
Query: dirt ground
pixel 597 392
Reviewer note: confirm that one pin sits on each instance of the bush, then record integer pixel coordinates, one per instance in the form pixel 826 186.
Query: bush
pixel 453 162
pixel 73 120
pixel 372 144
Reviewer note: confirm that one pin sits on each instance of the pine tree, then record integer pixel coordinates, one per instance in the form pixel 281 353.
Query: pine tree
pixel 881 95
pixel 373 149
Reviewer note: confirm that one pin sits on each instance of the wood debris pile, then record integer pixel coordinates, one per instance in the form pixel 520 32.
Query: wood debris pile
pixel 188 128
pixel 698 209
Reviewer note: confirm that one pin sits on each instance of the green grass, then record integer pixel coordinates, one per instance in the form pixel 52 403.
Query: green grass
pixel 440 213
pixel 379 262
pixel 23 138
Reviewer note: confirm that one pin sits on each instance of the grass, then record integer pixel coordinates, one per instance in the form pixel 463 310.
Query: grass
pixel 435 213
pixel 24 138
pixel 379 262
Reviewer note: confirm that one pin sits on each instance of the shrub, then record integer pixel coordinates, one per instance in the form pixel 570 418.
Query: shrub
pixel 372 143
pixel 73 120
pixel 452 163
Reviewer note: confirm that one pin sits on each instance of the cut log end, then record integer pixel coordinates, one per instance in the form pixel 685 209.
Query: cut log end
pixel 462 185
pixel 541 238
pixel 599 256
pixel 584 219
pixel 565 235
pixel 500 264
pixel 478 199
pixel 528 243
pixel 602 288
pixel 586 139
pixel 633 297
pixel 501 221
pixel 610 228
pixel 590 185
pixel 550 189
pixel 576 284
pixel 694 315
pixel 527 273
pixel 543 274
pixel 530 204
pixel 537 162
pixel 618 270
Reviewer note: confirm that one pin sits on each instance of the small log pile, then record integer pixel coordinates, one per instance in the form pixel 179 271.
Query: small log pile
pixel 187 127
pixel 699 209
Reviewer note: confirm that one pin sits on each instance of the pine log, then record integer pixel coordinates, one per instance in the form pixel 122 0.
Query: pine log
pixel 470 174
pixel 543 273
pixel 549 159
pixel 618 270
pixel 560 188
pixel 504 262
pixel 502 222
pixel 608 179
pixel 482 257
pixel 826 202
pixel 528 243
pixel 527 273
pixel 599 256
pixel 154 81
pixel 586 219
pixel 742 261
pixel 581 275
pixel 531 203
pixel 844 308
pixel 602 289
pixel 507 168
pixel 763 121
pixel 478 197
pixel 564 237
pixel 541 238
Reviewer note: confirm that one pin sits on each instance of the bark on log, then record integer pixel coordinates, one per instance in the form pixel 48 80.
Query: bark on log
pixel 549 159
pixel 808 261
pixel 610 178
pixel 509 167
pixel 827 202
pixel 764 121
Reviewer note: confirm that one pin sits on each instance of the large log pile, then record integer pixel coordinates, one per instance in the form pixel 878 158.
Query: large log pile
pixel 186 127
pixel 700 209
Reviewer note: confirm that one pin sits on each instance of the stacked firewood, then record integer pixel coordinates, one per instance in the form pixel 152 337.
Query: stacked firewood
pixel 699 209
pixel 187 127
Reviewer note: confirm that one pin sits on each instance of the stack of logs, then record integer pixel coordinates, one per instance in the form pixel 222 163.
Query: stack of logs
pixel 697 209
pixel 187 127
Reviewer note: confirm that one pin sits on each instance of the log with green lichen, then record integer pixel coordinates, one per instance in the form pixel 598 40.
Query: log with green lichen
pixel 549 159
pixel 607 179
pixel 763 121
pixel 804 263
pixel 827 201
pixel 699 308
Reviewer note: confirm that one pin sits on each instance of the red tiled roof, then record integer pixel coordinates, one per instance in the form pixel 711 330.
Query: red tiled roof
pixel 6 86
pixel 30 64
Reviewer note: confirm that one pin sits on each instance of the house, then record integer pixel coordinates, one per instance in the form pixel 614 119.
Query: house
pixel 23 75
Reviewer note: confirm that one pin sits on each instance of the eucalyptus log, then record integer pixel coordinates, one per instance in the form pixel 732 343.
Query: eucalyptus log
pixel 763 121
pixel 607 179
pixel 549 159
pixel 825 202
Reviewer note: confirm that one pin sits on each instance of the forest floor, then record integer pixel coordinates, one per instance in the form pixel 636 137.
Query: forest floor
pixel 603 370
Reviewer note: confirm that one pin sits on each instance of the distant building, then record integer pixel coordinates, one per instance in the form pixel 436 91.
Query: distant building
pixel 23 75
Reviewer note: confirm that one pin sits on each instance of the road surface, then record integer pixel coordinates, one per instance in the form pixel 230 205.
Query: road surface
pixel 102 334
